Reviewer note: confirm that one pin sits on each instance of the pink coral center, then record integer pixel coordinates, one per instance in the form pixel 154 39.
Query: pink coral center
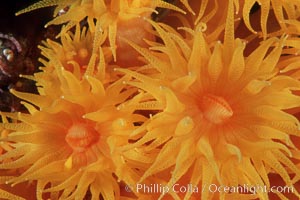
pixel 81 136
pixel 216 109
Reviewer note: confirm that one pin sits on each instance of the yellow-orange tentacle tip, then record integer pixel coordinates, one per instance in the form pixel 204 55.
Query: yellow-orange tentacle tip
pixel 224 119
pixel 68 141
pixel 282 9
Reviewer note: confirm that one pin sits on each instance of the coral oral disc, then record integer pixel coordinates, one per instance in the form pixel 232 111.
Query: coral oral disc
pixel 134 30
pixel 216 109
pixel 81 136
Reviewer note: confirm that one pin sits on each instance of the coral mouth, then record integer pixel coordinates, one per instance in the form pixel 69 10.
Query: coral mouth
pixel 216 109
pixel 81 136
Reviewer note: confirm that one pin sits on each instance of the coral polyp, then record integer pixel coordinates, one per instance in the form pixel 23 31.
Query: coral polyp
pixel 221 109
pixel 68 135
pixel 74 49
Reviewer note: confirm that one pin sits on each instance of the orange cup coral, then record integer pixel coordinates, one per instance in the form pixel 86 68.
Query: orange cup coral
pixel 66 142
pixel 224 113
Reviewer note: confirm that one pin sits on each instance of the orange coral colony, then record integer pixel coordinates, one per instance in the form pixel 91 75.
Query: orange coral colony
pixel 160 99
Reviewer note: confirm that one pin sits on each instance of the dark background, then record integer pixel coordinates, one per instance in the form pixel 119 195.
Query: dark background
pixel 26 25
pixel 28 29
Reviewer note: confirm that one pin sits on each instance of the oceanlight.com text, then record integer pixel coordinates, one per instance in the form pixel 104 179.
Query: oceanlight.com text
pixel 211 188
pixel 247 189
